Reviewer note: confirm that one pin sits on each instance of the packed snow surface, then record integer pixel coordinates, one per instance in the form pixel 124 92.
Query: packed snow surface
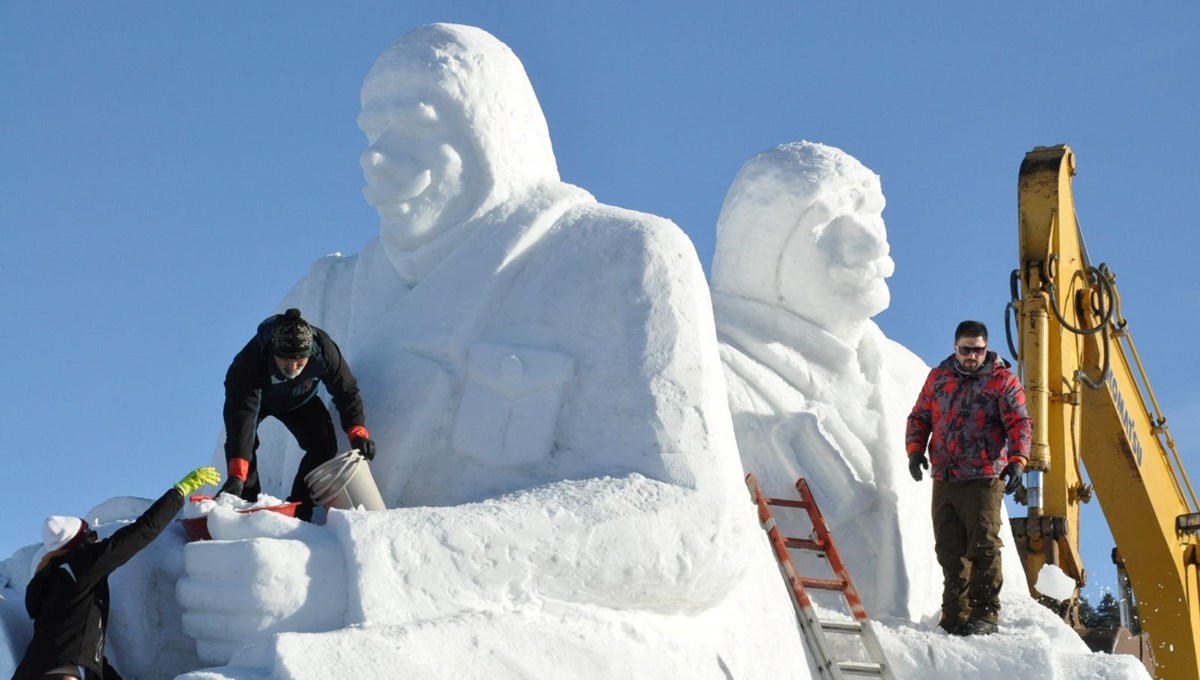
pixel 559 406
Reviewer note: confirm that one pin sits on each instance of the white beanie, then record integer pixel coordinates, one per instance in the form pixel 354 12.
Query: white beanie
pixel 58 531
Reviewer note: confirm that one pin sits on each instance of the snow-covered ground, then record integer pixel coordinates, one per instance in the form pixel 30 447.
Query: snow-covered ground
pixel 559 414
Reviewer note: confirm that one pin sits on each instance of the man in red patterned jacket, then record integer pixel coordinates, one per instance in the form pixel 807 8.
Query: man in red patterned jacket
pixel 971 415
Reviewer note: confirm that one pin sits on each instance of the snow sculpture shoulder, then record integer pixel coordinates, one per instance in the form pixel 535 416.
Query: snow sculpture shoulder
pixel 815 388
pixel 540 372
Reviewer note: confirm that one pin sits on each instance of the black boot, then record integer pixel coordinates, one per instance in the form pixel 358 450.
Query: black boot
pixel 304 511
pixel 952 622
pixel 979 627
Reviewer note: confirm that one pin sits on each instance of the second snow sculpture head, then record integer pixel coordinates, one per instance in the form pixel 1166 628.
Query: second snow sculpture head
pixel 802 229
pixel 453 129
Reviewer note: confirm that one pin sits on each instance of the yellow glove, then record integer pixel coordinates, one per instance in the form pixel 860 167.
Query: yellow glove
pixel 198 478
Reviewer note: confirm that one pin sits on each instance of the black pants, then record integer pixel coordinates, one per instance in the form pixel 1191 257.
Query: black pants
pixel 312 427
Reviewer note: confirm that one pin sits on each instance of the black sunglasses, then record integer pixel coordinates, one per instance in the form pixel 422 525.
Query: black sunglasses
pixel 967 351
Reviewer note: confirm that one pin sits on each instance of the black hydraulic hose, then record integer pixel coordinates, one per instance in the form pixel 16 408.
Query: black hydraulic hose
pixel 1013 287
pixel 1012 350
pixel 1107 293
pixel 1097 275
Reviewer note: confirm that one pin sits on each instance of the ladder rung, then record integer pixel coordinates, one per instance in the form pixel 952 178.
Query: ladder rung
pixel 841 626
pixel 824 583
pixel 787 503
pixel 804 544
pixel 861 668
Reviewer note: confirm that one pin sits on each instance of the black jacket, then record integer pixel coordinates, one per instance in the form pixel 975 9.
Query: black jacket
pixel 255 388
pixel 68 598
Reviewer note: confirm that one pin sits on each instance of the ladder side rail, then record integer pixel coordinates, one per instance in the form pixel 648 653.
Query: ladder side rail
pixel 805 614
pixel 831 551
pixel 869 638
pixel 778 542
pixel 812 626
pixel 875 648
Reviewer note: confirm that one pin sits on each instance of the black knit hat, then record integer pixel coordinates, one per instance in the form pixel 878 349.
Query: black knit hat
pixel 292 337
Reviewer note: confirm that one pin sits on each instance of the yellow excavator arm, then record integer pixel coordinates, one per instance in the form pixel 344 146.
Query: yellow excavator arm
pixel 1091 405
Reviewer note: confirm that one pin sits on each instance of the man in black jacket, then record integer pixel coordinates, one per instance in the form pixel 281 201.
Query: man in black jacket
pixel 68 595
pixel 277 374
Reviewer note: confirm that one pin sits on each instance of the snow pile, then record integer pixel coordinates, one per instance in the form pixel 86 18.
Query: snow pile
pixel 558 442
pixel 201 506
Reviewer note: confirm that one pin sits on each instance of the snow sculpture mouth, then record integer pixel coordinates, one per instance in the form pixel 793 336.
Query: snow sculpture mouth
pixel 393 181
pixel 863 276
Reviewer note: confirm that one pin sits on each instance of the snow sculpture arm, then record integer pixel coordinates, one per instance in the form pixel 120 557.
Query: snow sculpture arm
pixel 623 543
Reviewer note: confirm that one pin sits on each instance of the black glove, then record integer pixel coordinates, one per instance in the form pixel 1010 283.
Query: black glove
pixel 1012 476
pixel 365 446
pixel 233 486
pixel 915 462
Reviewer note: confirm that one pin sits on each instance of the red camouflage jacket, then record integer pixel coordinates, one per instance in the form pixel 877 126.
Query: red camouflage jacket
pixel 973 423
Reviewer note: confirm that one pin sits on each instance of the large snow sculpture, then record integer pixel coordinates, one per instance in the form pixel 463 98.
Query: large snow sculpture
pixel 815 388
pixel 546 360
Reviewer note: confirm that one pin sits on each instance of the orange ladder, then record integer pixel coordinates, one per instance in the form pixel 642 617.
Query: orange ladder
pixel 814 627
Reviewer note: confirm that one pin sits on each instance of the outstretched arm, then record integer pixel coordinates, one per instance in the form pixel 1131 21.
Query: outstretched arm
pixel 98 561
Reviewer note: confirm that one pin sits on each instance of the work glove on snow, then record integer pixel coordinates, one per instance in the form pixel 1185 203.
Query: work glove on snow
pixel 1012 476
pixel 233 487
pixel 915 462
pixel 197 478
pixel 361 440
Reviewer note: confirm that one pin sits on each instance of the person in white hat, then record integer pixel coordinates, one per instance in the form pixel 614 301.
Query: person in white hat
pixel 68 595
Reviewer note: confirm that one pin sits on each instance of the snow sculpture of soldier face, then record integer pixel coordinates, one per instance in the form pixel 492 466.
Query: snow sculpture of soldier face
pixel 453 129
pixel 802 229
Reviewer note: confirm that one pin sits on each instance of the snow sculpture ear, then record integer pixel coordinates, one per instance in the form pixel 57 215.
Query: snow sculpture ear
pixel 510 405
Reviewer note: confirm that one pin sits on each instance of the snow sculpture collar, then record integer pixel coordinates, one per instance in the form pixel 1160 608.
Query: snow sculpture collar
pixel 780 340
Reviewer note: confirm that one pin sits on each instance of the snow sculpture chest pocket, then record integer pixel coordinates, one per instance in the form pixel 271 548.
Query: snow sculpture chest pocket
pixel 510 404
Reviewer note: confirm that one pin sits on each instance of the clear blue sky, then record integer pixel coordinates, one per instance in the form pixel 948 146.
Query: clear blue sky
pixel 169 170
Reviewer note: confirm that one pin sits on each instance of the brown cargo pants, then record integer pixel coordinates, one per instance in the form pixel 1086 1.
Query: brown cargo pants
pixel 966 532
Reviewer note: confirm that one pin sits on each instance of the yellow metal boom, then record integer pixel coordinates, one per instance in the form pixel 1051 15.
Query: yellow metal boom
pixel 1091 405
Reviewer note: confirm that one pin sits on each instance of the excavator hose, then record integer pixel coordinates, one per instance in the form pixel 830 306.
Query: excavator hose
pixel 1014 287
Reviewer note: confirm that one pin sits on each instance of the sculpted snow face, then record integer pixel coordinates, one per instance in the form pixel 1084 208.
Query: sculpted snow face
pixel 802 228
pixel 815 389
pixel 453 128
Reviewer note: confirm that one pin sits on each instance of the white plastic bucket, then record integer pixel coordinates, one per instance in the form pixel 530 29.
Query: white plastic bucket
pixel 344 482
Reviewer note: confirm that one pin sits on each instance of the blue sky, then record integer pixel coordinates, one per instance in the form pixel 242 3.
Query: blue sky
pixel 169 170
